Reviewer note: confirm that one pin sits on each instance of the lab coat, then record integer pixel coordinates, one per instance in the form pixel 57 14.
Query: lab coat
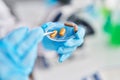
pixel 7 20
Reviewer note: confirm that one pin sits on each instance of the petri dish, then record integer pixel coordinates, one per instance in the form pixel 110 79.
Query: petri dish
pixel 69 33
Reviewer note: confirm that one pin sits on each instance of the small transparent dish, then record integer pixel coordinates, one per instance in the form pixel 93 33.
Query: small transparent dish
pixel 68 35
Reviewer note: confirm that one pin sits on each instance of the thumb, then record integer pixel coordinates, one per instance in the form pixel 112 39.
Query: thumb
pixel 31 40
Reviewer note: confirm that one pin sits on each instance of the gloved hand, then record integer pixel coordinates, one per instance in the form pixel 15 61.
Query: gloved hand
pixel 65 48
pixel 18 51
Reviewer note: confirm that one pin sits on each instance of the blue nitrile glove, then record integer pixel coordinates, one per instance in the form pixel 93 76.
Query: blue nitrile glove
pixel 18 51
pixel 65 48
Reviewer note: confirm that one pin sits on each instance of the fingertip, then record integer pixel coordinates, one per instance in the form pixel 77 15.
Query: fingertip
pixel 37 33
pixel 64 57
pixel 61 59
pixel 44 26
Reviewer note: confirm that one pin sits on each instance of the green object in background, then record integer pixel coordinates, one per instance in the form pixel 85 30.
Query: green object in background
pixel 115 34
pixel 112 27
pixel 108 24
pixel 105 12
pixel 115 28
pixel 107 16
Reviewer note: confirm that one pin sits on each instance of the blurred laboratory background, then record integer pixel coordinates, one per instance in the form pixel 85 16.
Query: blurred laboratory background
pixel 97 59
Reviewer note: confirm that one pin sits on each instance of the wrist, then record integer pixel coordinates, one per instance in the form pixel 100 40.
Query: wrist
pixel 16 76
pixel 10 74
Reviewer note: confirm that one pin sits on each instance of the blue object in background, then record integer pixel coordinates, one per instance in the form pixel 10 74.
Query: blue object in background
pixel 94 76
pixel 18 51
pixel 51 2
pixel 63 48
pixel 97 76
pixel 92 11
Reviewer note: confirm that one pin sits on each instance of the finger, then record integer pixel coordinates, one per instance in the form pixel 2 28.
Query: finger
pixel 29 57
pixel 63 50
pixel 49 25
pixel 63 57
pixel 9 52
pixel 78 40
pixel 73 42
pixel 32 39
pixel 46 25
pixel 16 36
pixel 80 34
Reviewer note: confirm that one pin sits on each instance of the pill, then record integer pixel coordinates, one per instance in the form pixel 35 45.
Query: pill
pixel 62 32
pixel 53 35
pixel 71 24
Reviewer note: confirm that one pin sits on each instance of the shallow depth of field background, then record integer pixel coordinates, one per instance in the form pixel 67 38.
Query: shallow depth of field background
pixel 100 52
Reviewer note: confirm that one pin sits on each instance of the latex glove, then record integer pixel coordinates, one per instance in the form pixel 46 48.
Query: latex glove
pixel 64 49
pixel 18 51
